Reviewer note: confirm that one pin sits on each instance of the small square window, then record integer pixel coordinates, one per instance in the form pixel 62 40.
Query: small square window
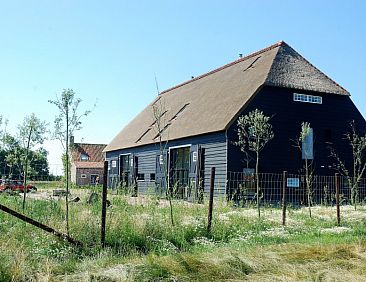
pixel 140 176
pixel 152 176
pixel 84 157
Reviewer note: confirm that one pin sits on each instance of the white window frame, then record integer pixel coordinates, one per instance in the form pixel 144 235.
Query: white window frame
pixel 308 98
pixel 83 175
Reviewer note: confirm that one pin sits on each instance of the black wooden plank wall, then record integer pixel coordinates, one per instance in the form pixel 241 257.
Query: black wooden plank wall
pixel 215 155
pixel 333 115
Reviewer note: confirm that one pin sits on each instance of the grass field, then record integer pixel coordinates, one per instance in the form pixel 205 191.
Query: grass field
pixel 142 245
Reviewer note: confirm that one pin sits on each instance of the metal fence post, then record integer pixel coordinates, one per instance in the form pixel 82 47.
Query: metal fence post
pixel 210 203
pixel 337 199
pixel 284 202
pixel 104 204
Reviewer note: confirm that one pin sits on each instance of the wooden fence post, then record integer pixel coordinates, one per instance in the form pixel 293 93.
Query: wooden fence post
pixel 337 199
pixel 284 202
pixel 210 203
pixel 104 204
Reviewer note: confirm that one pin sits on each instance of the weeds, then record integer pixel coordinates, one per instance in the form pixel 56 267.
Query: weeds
pixel 139 232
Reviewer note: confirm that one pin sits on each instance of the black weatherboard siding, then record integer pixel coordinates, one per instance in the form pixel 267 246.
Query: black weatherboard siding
pixel 329 120
pixel 215 155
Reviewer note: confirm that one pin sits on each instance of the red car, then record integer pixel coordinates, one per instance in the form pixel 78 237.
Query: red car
pixel 15 185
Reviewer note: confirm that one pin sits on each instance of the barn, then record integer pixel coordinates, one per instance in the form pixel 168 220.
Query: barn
pixel 190 128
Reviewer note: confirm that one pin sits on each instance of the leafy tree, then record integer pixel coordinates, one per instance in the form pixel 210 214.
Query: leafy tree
pixel 31 132
pixel 38 166
pixel 66 123
pixel 254 132
pixel 13 153
pixel 353 176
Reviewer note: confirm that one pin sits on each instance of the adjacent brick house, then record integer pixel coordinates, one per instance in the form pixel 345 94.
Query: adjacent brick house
pixel 86 163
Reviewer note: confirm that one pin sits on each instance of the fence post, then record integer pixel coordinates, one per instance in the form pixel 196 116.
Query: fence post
pixel 337 199
pixel 284 202
pixel 210 203
pixel 104 204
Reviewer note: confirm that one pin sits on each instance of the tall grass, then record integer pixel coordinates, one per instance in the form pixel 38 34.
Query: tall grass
pixel 139 233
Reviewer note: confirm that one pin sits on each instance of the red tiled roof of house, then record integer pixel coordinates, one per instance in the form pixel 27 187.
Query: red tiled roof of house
pixel 94 153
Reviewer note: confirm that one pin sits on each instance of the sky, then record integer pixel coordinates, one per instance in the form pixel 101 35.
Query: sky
pixel 109 52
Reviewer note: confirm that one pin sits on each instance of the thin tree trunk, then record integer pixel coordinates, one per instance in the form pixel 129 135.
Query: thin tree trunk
pixel 258 190
pixel 26 168
pixel 308 185
pixel 67 171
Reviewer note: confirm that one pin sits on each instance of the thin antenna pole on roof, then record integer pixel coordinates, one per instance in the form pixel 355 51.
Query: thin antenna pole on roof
pixel 156 84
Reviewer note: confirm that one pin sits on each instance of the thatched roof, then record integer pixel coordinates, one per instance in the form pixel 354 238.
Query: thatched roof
pixel 210 102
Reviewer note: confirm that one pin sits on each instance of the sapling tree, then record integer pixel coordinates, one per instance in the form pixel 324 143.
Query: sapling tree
pixel 357 143
pixel 66 123
pixel 254 132
pixel 305 143
pixel 160 126
pixel 31 133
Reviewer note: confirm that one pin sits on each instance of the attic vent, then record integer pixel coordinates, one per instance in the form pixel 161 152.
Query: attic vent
pixel 161 131
pixel 143 134
pixel 252 64
pixel 159 118
pixel 307 98
pixel 179 112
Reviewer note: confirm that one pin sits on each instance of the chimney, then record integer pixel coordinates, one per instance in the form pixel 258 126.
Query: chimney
pixel 71 140
pixel 240 56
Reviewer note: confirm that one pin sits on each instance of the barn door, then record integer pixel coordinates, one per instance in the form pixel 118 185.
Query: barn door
pixel 193 175
pixel 113 177
pixel 125 170
pixel 134 162
pixel 161 167
pixel 201 174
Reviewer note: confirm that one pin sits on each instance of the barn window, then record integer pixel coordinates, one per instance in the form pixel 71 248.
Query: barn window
pixel 152 176
pixel 83 176
pixel 307 98
pixel 140 176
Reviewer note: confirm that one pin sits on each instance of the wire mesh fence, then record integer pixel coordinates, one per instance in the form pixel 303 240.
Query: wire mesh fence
pixel 300 189
pixel 239 187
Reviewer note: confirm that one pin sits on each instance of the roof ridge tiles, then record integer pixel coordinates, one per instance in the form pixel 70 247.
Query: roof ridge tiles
pixel 250 55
